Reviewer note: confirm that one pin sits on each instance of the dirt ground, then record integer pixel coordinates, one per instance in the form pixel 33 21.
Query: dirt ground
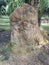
pixel 4 36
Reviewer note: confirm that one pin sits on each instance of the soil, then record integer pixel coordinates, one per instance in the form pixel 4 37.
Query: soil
pixel 4 36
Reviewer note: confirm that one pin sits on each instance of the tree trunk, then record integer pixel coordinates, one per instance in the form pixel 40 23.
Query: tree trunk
pixel 25 33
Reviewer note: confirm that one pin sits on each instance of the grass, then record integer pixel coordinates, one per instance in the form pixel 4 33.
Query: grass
pixel 4 27
pixel 4 17
pixel 45 26
pixel 4 22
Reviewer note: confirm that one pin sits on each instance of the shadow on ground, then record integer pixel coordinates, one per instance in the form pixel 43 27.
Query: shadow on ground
pixel 4 36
